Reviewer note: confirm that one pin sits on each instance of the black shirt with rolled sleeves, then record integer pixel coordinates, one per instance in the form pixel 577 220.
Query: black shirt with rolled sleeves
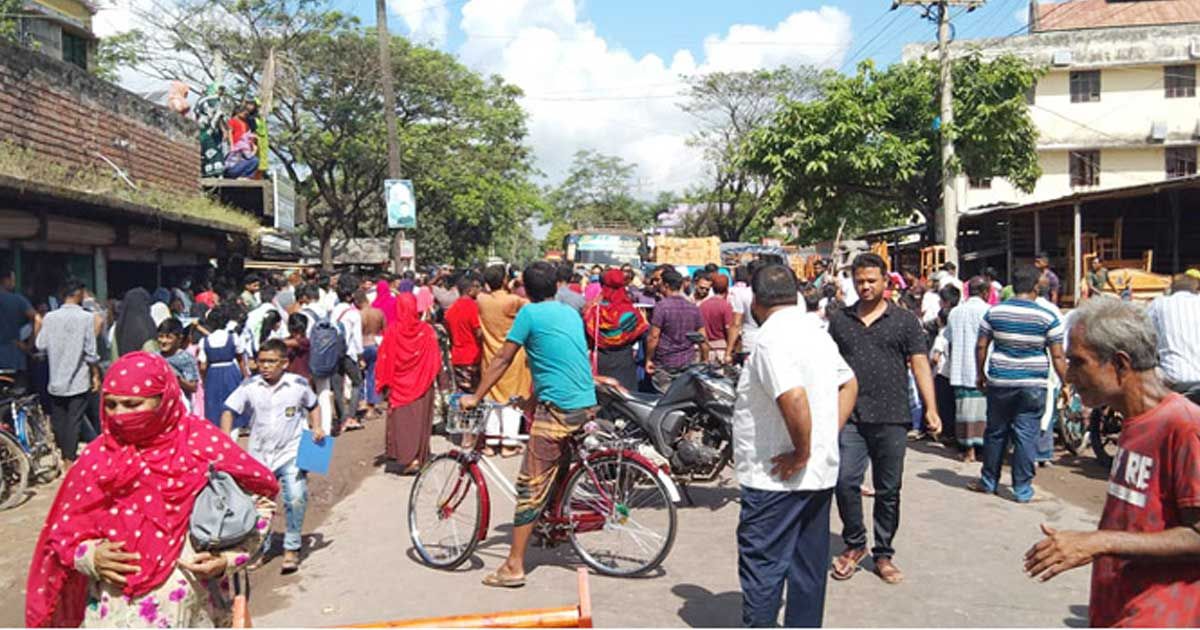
pixel 879 356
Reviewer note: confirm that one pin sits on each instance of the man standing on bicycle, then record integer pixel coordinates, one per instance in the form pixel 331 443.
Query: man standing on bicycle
pixel 552 335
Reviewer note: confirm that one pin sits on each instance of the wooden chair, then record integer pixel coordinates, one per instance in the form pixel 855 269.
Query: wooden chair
pixel 1110 248
pixel 579 616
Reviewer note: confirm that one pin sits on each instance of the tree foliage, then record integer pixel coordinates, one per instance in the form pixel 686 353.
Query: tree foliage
pixel 597 189
pixel 734 202
pixel 461 134
pixel 123 50
pixel 868 150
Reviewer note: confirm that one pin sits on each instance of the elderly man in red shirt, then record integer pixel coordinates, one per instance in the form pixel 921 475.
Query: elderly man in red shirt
pixel 1146 553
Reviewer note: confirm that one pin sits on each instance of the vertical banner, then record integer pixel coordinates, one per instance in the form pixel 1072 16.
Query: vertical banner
pixel 401 204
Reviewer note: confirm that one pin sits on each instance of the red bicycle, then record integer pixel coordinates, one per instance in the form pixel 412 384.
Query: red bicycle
pixel 615 507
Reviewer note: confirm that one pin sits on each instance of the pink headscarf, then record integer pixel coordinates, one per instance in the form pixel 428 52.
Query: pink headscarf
pixel 385 301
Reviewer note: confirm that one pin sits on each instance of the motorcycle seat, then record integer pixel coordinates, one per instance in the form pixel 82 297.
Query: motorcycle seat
pixel 642 397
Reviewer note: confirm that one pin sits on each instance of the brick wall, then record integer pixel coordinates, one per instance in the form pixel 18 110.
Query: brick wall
pixel 69 116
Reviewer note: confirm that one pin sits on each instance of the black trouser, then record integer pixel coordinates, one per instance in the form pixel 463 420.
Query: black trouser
pixel 68 419
pixel 783 538
pixel 347 368
pixel 884 446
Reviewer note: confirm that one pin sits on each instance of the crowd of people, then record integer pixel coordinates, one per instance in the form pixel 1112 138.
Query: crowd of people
pixel 839 372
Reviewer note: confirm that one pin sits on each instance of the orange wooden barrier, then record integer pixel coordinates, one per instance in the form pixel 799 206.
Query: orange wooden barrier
pixel 565 617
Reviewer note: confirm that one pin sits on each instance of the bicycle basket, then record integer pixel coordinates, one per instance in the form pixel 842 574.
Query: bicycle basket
pixel 459 420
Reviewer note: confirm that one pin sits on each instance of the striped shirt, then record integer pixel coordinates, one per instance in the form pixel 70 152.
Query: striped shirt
pixel 1020 331
pixel 1175 318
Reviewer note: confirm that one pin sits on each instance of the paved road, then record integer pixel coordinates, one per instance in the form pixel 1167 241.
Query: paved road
pixel 961 552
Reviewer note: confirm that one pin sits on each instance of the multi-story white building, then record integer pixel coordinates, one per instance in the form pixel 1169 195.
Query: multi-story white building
pixel 1117 106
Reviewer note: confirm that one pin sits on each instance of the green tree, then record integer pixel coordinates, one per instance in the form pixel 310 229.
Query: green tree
pixel 598 189
pixel 10 26
pixel 118 51
pixel 462 135
pixel 728 106
pixel 868 150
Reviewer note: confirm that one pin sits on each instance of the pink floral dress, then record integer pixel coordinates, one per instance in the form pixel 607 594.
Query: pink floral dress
pixel 183 601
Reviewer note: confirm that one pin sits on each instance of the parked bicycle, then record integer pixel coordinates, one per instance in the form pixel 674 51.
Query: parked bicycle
pixel 615 507
pixel 27 449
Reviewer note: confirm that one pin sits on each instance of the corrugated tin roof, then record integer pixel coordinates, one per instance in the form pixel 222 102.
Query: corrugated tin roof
pixel 1082 14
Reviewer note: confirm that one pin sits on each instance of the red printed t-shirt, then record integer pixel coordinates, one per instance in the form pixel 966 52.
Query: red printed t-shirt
pixel 1154 476
pixel 462 320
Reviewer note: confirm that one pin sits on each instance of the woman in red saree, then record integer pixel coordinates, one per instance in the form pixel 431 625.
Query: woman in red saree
pixel 115 550
pixel 409 361
pixel 613 325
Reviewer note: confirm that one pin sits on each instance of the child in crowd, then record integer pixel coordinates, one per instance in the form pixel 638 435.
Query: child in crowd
pixel 298 345
pixel 277 405
pixel 171 347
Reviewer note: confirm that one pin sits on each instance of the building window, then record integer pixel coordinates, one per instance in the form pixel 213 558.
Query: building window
pixel 1181 162
pixel 979 182
pixel 1085 86
pixel 1085 168
pixel 74 50
pixel 1180 81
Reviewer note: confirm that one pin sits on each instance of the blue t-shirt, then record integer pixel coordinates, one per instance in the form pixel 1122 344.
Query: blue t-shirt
pixel 13 308
pixel 552 335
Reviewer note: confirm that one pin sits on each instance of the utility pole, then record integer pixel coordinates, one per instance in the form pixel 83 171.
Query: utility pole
pixel 389 112
pixel 946 221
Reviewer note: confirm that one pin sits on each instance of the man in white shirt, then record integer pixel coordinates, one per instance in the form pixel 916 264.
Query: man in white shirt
pixel 1175 318
pixel 347 318
pixel 745 332
pixel 790 407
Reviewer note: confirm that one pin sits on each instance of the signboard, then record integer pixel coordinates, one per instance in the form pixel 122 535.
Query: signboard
pixel 283 202
pixel 401 204
pixel 605 249
pixel 407 248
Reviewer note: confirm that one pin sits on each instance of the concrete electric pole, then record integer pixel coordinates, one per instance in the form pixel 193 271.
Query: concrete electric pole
pixel 389 113
pixel 946 222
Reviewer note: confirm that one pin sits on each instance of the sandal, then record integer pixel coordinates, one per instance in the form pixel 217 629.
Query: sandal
pixel 888 571
pixel 500 581
pixel 846 564
pixel 291 563
pixel 977 486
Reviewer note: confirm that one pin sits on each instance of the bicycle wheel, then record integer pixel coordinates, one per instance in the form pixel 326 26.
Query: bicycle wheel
pixel 623 519
pixel 47 459
pixel 14 472
pixel 445 509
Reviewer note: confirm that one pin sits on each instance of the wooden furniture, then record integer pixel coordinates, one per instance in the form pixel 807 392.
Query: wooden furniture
pixel 579 616
pixel 1110 248
pixel 932 259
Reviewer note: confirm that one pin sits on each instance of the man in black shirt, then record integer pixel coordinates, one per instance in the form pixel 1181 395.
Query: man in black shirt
pixel 880 341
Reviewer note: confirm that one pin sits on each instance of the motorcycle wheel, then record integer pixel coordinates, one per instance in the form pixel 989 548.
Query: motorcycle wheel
pixel 1104 447
pixel 1073 431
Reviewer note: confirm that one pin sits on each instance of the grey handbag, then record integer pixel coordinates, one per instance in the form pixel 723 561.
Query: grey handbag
pixel 224 514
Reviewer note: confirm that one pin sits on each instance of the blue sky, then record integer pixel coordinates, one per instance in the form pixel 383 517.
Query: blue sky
pixel 662 27
pixel 605 74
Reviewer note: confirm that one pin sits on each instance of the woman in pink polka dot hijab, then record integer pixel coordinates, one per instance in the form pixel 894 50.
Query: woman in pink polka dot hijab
pixel 130 495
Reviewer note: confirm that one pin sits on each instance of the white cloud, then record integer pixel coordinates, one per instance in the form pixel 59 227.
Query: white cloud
pixel 427 21
pixel 583 93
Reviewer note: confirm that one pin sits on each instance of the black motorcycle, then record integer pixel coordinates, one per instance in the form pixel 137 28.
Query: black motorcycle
pixel 691 426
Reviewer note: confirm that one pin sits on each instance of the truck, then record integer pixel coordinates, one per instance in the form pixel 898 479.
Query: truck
pixel 608 247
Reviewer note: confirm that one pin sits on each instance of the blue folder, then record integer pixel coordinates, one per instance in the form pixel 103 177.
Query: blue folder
pixel 314 457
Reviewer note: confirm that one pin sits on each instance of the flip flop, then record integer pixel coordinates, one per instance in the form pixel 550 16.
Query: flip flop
pixel 289 566
pixel 975 486
pixel 499 581
pixel 844 568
